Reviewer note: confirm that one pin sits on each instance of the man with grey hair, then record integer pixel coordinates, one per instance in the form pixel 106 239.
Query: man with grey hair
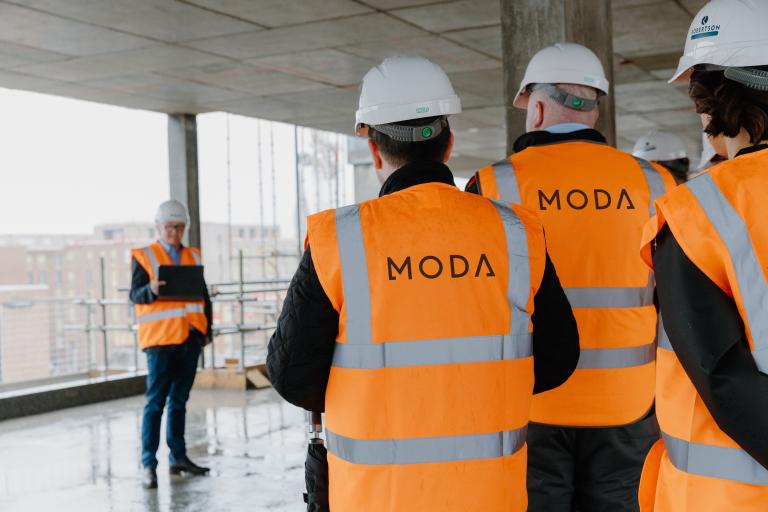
pixel 588 438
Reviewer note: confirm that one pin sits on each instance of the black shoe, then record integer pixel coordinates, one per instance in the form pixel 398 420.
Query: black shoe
pixel 187 466
pixel 149 478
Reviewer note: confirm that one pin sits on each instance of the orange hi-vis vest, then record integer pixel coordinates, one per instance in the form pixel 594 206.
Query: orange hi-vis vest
pixel 718 220
pixel 593 201
pixel 167 322
pixel 429 392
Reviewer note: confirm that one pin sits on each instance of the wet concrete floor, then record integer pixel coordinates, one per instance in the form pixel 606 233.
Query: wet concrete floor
pixel 88 458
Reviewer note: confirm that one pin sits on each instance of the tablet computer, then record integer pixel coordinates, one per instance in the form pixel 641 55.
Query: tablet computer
pixel 182 282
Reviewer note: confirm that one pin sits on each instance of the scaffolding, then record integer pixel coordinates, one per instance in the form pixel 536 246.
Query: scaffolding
pixel 245 314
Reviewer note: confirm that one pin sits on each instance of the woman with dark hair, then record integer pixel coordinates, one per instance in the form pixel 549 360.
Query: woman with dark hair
pixel 709 247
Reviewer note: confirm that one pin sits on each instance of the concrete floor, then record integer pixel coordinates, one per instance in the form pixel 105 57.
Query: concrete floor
pixel 87 458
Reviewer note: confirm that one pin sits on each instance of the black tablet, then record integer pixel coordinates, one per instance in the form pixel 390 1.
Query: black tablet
pixel 182 282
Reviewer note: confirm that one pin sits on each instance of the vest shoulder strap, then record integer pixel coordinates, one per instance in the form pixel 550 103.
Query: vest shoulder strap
pixel 146 257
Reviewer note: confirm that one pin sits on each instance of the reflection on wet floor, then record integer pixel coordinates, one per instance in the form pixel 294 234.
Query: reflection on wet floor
pixel 88 458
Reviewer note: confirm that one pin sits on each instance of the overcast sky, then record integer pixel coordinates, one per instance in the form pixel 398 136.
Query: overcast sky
pixel 68 165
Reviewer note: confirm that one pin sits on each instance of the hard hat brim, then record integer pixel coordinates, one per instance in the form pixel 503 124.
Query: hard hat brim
pixel 385 114
pixel 725 56
pixel 521 98
pixel 656 157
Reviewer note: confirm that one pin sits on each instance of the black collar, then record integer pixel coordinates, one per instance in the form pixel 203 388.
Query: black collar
pixel 752 149
pixel 416 173
pixel 544 138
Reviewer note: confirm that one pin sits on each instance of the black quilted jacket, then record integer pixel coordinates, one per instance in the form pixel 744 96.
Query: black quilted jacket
pixel 301 349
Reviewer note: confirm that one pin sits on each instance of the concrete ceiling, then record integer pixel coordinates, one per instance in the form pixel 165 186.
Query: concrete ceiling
pixel 300 61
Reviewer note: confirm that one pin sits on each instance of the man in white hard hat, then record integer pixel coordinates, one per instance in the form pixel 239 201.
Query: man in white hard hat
pixel 172 334
pixel 667 150
pixel 708 246
pixel 409 321
pixel 589 437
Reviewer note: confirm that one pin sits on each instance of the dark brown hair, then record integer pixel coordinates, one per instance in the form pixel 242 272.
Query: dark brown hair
pixel 400 153
pixel 733 106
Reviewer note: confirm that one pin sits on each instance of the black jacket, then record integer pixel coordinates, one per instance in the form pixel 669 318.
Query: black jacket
pixel 301 349
pixel 141 293
pixel 708 336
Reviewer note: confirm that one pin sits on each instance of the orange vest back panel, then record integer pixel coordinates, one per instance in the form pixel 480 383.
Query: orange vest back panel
pixel 700 467
pixel 429 393
pixel 167 322
pixel 593 201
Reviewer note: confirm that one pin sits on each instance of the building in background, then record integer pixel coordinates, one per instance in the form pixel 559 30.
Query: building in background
pixel 25 329
pixel 46 282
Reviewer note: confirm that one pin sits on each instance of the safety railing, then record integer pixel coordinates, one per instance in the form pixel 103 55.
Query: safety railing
pixel 46 339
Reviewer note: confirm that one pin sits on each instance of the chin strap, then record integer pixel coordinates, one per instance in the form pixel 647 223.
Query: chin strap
pixel 753 78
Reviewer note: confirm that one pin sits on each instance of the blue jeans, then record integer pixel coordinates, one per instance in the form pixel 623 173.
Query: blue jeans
pixel 170 373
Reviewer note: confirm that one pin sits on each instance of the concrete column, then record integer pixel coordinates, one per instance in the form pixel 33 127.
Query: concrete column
pixel 182 170
pixel 529 25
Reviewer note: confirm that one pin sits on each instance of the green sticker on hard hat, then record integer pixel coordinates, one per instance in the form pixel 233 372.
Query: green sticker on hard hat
pixel 577 102
pixel 426 132
pixel 421 110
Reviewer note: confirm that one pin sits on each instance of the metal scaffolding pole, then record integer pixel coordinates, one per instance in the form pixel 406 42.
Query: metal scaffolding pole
pixel 276 261
pixel 105 338
pixel 297 169
pixel 241 300
pixel 260 171
pixel 230 249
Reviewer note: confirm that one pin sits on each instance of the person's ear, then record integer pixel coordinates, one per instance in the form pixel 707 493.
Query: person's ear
pixel 538 115
pixel 375 154
pixel 449 149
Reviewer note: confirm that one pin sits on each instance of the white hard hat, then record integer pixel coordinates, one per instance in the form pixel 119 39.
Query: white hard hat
pixel 563 63
pixel 726 33
pixel 171 211
pixel 403 88
pixel 660 147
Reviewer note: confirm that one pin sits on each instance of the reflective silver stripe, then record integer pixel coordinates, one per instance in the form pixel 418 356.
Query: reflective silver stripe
pixel 655 183
pixel 476 349
pixel 194 308
pixel 626 357
pixel 714 461
pixel 749 274
pixel 662 337
pixel 624 297
pixel 610 297
pixel 162 315
pixel 426 450
pixel 152 260
pixel 196 257
pixel 354 272
pixel 519 277
pixel 506 182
